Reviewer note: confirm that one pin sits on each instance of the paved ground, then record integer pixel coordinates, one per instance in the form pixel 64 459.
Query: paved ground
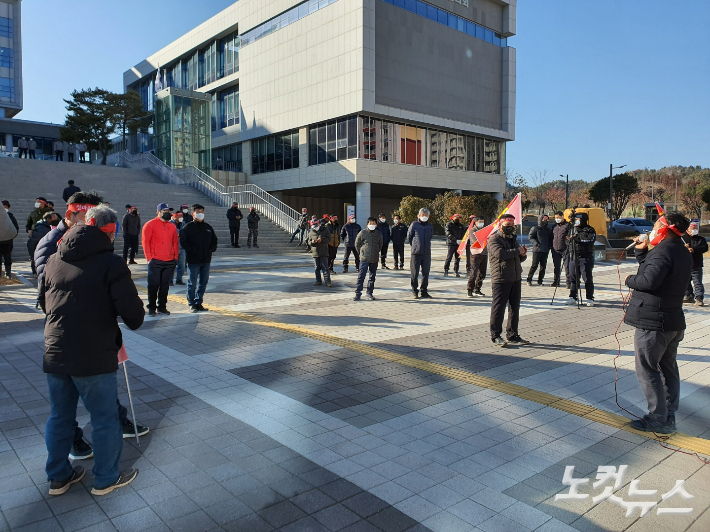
pixel 294 408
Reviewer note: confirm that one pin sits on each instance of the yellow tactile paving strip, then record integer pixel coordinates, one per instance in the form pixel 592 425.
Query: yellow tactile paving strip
pixel 682 441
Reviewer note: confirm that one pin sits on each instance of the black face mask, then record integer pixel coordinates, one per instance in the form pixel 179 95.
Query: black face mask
pixel 166 216
pixel 544 223
pixel 508 229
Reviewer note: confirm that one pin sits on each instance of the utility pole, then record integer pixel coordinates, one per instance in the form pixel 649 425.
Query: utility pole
pixel 676 194
pixel 566 192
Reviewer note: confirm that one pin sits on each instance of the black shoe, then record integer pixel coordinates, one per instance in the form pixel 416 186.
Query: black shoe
pixel 699 303
pixel 425 295
pixel 126 477
pixel 328 284
pixel 646 424
pixel 539 283
pixel 81 450
pixel 256 246
pixel 164 311
pixel 333 272
pixel 129 429
pixel 385 267
pixel 345 269
pixel 499 342
pixel 370 297
pixel 200 308
pixel 180 282
pixel 132 262
pixel 318 283
pixel 478 293
pixel 555 284
pixel 529 282
pixel 356 298
pixel 688 299
pixel 671 422
pixel 401 266
pixel 457 274
pixel 152 312
pixel 416 294
pixel 172 283
pixel 470 293
pixel 237 246
pixel 59 487
pixel 516 340
pixel 446 273
pixel 194 309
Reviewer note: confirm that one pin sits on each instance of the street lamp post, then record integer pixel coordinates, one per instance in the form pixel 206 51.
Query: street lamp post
pixel 611 190
pixel 566 191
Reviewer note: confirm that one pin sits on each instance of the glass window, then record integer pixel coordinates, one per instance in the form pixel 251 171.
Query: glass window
pixel 270 153
pixel 313 146
pixel 453 21
pixel 286 139
pixel 312 6
pixel 254 156
pixel 7 88
pixel 295 143
pixel 6 27
pixel 489 35
pixel 461 24
pixel 342 142
pixel 421 8
pixel 279 163
pixel 302 10
pixel 471 28
pixel 399 3
pixel 479 154
pixel 332 140
pixel 410 5
pixel 322 151
pixel 432 13
pixel 6 58
pixel 442 16
pixel 352 137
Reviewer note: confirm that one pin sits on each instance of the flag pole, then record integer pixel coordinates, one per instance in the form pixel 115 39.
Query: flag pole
pixel 130 401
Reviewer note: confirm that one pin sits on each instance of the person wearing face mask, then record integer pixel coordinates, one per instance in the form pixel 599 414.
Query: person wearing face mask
pixel 398 234
pixel 186 216
pixel 419 237
pixel 85 287
pixel 199 241
pixel 178 220
pixel 384 229
pixel 234 215
pixel 697 245
pixel 506 256
pixel 559 248
pixel 580 258
pixel 656 311
pixel 369 244
pixel 454 234
pixel 8 232
pixel 479 264
pixel 49 221
pixel 541 239
pixel 471 220
pixel 161 250
pixel 348 234
pixel 41 208
pixel 334 241
pixel 318 239
pixel 253 226
pixel 131 224
pixel 302 228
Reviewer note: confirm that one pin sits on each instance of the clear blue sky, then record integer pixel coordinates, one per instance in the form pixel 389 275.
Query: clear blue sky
pixel 598 81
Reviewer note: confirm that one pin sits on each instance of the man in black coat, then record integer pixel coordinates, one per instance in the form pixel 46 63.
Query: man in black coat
pixel 454 234
pixel 302 228
pixel 398 234
pixel 7 240
pixel 541 239
pixel 49 221
pixel 559 248
pixel 234 215
pixel 348 234
pixel 131 225
pixel 199 241
pixel 697 246
pixel 85 287
pixel 70 190
pixel 253 219
pixel 656 310
pixel 384 229
pixel 505 255
pixel 580 258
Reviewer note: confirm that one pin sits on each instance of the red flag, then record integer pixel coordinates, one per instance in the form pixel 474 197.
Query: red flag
pixel 122 355
pixel 462 245
pixel 515 208
pixel 660 210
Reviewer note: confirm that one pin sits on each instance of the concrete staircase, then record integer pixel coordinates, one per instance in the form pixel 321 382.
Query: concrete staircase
pixel 22 180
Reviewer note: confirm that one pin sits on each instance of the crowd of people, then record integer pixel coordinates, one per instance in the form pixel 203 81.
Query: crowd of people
pixel 83 285
pixel 27 149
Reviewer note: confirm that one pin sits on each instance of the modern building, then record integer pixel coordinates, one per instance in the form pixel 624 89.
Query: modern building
pixel 10 58
pixel 326 103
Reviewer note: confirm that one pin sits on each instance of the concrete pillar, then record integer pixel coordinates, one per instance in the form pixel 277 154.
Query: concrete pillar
pixel 303 147
pixel 246 158
pixel 8 142
pixel 363 201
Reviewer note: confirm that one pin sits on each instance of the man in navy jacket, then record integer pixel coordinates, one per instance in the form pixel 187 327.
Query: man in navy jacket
pixel 656 310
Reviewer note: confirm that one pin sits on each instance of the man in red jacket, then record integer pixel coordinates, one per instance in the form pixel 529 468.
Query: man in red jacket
pixel 160 246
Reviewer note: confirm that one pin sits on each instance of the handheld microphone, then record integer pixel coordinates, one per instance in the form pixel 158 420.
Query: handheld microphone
pixel 640 239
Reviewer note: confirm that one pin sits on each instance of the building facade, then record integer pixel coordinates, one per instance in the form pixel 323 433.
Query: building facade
pixel 10 58
pixel 326 103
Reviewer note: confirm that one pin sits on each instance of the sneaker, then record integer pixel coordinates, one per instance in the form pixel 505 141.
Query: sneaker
pixel 356 298
pixel 688 299
pixel 539 283
pixel 499 342
pixel 478 293
pixel 425 295
pixel 570 301
pixel 401 266
pixel 81 450
pixel 457 274
pixel 180 282
pixel 200 308
pixel 589 302
pixel 370 297
pixel 671 422
pixel 164 311
pixel 345 269
pixel 470 293
pixel 132 262
pixel 529 282
pixel 416 294
pixel 329 284
pixel 333 272
pixel 152 312
pixel 59 487
pixel 194 309
pixel 699 303
pixel 648 425
pixel 385 267
pixel 237 246
pixel 516 340
pixel 318 283
pixel 555 284
pixel 129 429
pixel 446 273
pixel 126 477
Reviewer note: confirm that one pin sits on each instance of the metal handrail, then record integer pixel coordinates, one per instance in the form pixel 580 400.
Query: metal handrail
pixel 245 195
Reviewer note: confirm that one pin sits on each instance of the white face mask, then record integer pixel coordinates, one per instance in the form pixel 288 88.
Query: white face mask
pixel 200 215
pixel 479 224
pixel 558 220
pixel 652 236
pixel 179 220
pixel 423 218
pixel 383 220
pixel 372 227
pixel 396 222
pixel 185 211
pixel 694 232
pixel 38 205
pixel 577 221
pixel 352 220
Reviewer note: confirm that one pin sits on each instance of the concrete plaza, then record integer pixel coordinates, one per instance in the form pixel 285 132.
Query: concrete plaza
pixel 291 407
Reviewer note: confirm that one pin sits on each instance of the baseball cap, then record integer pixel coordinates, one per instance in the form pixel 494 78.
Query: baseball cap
pixel 163 206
